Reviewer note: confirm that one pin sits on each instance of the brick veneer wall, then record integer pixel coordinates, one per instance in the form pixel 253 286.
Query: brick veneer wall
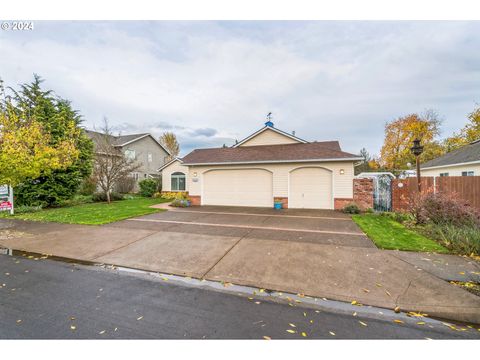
pixel 363 193
pixel 340 203
pixel 400 195
pixel 196 200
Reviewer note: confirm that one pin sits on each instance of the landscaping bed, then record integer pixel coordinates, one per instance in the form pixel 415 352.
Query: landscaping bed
pixel 95 213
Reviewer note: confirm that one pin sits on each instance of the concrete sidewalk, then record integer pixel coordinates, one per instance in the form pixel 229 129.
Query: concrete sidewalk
pixel 366 275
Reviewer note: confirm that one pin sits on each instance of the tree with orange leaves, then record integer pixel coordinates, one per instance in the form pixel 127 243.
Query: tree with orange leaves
pixel 399 135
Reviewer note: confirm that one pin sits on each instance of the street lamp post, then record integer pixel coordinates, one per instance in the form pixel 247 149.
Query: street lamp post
pixel 417 150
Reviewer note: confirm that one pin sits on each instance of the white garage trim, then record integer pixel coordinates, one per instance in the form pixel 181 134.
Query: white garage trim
pixel 332 190
pixel 267 202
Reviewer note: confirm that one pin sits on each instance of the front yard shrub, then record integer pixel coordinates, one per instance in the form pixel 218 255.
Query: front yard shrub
pixel 180 203
pixel 148 187
pixel 444 209
pixel 175 195
pixel 100 196
pixel 463 239
pixel 351 209
pixel 88 186
pixel 125 185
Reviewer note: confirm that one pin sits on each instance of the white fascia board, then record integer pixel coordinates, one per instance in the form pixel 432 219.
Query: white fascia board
pixel 274 161
pixel 271 128
pixel 451 165
pixel 170 162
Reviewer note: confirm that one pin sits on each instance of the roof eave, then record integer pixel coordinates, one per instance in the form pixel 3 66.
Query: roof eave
pixel 273 161
pixel 450 165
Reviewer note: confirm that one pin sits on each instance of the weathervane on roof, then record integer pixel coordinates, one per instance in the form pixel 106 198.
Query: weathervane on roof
pixel 269 120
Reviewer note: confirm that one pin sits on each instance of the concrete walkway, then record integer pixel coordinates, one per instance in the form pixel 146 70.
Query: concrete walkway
pixel 348 273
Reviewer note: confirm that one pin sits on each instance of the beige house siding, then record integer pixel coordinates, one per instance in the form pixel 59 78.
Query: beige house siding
pixel 142 148
pixel 342 184
pixel 453 170
pixel 269 137
pixel 176 166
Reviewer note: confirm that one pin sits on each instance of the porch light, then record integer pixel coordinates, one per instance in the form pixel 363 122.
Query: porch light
pixel 342 171
pixel 195 174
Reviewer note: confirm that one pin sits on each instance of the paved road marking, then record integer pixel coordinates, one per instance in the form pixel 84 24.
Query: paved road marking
pixel 250 227
pixel 255 214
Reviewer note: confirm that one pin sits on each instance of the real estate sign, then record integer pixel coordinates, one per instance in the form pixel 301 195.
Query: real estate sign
pixel 6 198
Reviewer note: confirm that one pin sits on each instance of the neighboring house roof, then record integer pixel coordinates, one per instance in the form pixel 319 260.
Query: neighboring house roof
pixel 170 162
pixel 465 155
pixel 269 127
pixel 302 152
pixel 122 140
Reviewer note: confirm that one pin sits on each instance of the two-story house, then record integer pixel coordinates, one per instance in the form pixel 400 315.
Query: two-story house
pixel 143 148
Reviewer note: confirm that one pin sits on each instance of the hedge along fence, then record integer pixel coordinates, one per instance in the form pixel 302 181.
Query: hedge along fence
pixel 466 188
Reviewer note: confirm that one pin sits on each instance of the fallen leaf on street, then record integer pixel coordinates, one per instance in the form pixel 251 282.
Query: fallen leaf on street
pixel 421 323
pixel 332 333
pixel 398 321
pixel 73 327
pixel 291 331
pixel 292 325
pixel 19 321
pixel 388 293
pixel 397 309
pixel 257 302
pixel 140 318
pixel 366 290
pixel 267 338
pixel 304 334
pixel 362 323
pixel 102 332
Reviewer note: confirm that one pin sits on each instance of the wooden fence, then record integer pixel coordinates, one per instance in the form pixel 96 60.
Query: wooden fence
pixel 465 187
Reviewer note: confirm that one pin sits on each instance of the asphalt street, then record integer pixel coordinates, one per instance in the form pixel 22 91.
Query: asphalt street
pixel 46 299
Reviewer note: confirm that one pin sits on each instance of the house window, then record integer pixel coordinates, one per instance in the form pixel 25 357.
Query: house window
pixel 443 174
pixel 178 181
pixel 135 176
pixel 149 157
pixel 130 154
pixel 468 173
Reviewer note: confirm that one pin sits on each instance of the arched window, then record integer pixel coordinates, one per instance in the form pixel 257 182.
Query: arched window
pixel 178 181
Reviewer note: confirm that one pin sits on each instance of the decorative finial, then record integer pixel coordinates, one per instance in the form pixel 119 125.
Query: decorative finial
pixel 269 120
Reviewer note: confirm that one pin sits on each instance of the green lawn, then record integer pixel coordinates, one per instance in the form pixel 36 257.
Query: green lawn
pixel 95 213
pixel 387 233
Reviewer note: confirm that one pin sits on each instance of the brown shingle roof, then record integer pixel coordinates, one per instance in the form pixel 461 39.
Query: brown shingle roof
pixel 322 151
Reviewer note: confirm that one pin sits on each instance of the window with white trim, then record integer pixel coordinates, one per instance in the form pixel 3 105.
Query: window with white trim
pixel 178 181
pixel 149 157
pixel 468 173
pixel 130 154
pixel 443 174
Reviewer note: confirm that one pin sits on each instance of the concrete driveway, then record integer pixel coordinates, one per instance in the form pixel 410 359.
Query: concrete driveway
pixel 318 253
pixel 294 225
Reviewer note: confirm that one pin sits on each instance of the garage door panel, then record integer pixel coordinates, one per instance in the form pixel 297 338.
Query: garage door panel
pixel 310 188
pixel 246 187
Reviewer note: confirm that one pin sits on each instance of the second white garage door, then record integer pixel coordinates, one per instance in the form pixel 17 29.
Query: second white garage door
pixel 310 188
pixel 246 187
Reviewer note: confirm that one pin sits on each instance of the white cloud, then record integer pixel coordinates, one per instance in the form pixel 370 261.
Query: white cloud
pixel 326 80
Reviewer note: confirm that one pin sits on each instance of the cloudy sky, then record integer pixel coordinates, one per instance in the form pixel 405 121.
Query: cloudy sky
pixel 214 82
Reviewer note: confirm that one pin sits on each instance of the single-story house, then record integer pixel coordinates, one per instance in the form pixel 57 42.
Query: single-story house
pixel 268 165
pixel 464 161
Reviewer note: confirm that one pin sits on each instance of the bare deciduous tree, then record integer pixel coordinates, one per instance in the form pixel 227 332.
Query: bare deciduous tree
pixel 111 165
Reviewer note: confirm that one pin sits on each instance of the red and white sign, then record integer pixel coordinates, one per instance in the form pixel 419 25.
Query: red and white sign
pixel 5 205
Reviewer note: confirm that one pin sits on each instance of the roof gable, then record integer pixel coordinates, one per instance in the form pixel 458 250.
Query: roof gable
pixel 268 135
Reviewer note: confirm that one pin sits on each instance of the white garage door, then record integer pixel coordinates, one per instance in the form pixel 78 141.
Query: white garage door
pixel 310 188
pixel 247 187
